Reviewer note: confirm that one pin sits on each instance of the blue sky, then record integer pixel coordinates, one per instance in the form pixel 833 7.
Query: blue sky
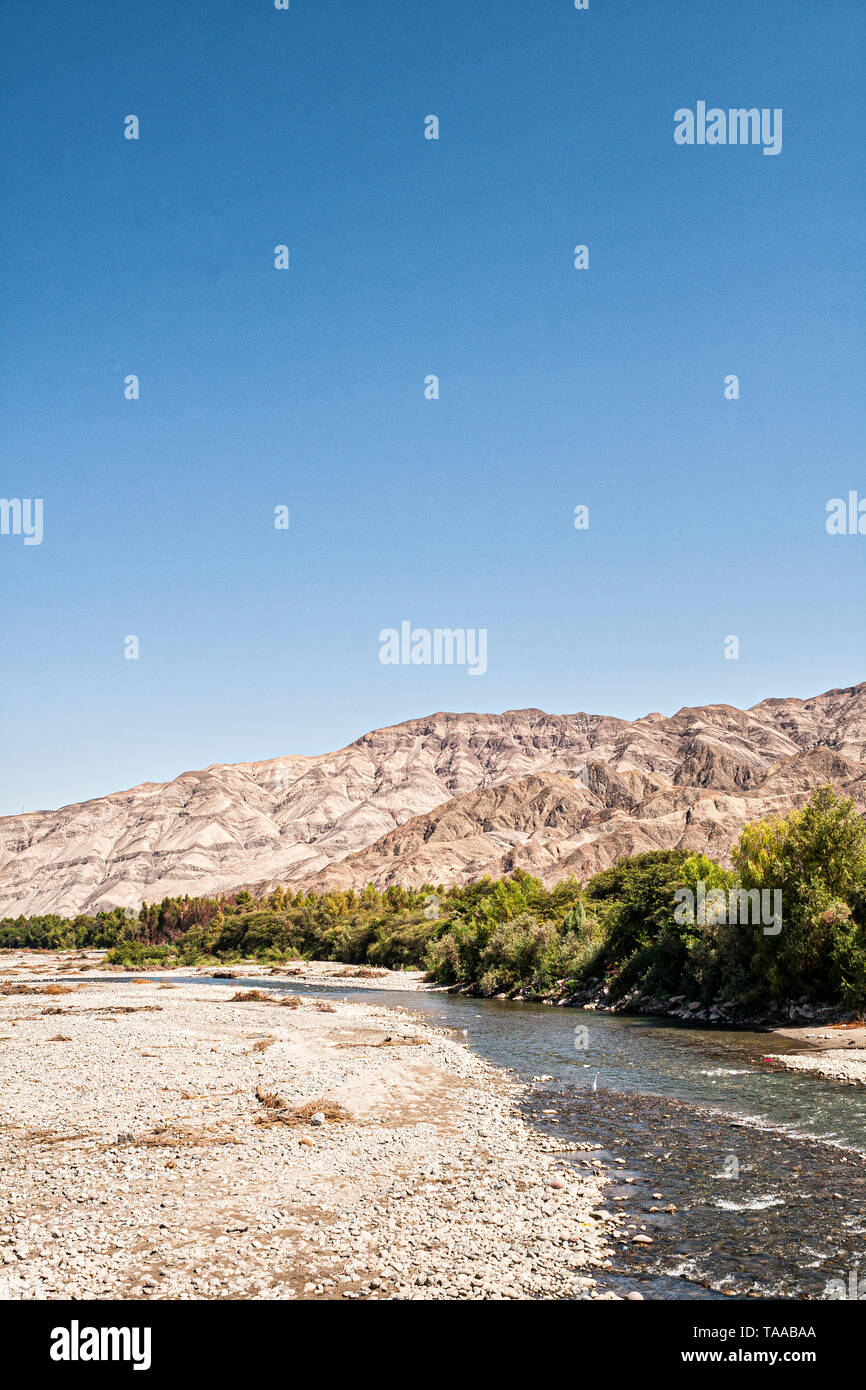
pixel 408 257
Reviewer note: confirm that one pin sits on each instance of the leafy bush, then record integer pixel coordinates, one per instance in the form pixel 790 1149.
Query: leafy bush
pixel 514 934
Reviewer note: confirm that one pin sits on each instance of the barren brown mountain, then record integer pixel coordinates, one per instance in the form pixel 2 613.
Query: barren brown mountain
pixel 442 800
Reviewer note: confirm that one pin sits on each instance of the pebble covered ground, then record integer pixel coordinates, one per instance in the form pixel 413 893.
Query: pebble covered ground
pixel 305 972
pixel 149 1150
pixel 835 1064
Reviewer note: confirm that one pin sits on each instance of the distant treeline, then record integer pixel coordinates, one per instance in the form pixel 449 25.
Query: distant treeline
pixel 665 922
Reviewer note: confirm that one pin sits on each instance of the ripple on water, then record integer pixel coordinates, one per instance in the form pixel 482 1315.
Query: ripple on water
pixel 755 1204
pixel 758 1212
pixel 677 1104
pixel 727 1071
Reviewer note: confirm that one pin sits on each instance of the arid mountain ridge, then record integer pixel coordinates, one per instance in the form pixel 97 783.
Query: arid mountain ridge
pixel 443 799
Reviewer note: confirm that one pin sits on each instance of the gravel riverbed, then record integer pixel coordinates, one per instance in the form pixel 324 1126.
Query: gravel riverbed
pixel 137 1160
pixel 836 1052
pixel 834 1065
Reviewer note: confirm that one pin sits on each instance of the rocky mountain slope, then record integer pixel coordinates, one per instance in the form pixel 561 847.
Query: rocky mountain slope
pixel 442 799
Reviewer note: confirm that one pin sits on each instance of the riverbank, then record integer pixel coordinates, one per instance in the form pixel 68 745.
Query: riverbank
pixel 836 1052
pixel 92 965
pixel 165 1141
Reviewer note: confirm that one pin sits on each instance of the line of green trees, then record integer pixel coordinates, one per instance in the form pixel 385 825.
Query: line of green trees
pixel 627 927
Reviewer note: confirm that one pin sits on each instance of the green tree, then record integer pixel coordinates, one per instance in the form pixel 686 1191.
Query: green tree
pixel 816 859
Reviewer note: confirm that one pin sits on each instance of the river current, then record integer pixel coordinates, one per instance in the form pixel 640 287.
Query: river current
pixel 766 1168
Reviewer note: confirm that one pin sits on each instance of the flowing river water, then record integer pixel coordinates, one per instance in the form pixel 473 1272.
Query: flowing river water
pixel 765 1168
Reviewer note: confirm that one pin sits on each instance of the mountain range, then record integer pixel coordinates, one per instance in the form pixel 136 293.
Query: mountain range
pixel 444 799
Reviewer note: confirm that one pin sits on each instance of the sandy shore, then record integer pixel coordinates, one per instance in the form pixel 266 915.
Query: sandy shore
pixel 137 1161
pixel 91 965
pixel 837 1051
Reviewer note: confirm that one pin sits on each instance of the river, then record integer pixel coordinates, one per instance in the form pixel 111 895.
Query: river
pixel 765 1168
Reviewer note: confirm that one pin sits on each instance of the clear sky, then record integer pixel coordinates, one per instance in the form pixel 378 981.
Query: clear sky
pixel 408 256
